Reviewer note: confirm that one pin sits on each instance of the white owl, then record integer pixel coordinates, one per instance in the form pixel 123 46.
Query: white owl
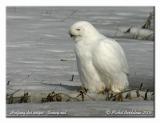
pixel 101 61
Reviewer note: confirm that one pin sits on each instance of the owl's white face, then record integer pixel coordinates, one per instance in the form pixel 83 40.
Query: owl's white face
pixel 81 30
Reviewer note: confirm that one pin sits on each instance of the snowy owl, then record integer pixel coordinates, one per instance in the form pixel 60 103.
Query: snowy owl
pixel 101 61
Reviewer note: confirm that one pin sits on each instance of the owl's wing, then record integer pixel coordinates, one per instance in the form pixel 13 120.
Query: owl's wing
pixel 109 57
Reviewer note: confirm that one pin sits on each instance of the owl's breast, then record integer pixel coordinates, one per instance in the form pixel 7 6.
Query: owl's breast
pixel 89 76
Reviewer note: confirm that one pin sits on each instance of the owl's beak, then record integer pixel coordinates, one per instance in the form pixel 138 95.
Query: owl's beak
pixel 71 35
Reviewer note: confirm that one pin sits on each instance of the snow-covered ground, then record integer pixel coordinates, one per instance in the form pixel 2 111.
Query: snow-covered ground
pixel 40 54
pixel 87 108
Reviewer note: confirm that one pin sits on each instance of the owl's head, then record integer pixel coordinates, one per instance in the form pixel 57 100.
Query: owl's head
pixel 82 30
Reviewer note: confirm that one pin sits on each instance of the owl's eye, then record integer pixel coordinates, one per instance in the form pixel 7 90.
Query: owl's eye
pixel 78 29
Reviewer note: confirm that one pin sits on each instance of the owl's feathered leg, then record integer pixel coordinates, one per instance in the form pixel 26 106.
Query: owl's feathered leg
pixel 105 91
pixel 112 96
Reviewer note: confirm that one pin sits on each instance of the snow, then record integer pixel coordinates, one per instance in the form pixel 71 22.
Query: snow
pixel 88 108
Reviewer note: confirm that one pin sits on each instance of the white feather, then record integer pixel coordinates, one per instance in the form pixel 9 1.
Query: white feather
pixel 101 61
